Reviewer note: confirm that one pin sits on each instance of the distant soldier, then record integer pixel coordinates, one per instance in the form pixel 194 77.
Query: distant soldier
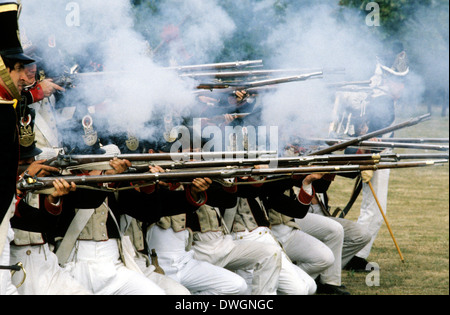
pixel 379 112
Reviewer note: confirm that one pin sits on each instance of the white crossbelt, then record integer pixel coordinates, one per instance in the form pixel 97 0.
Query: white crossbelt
pixel 76 226
pixel 4 227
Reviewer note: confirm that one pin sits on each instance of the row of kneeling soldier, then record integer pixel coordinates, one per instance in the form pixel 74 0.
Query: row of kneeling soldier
pixel 253 237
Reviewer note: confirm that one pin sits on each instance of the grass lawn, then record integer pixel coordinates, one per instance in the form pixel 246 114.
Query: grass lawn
pixel 418 213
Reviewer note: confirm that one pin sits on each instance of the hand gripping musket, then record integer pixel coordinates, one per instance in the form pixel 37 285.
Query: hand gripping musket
pixel 355 141
pixel 41 184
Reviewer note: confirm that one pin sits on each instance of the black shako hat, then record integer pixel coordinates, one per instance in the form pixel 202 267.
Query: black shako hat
pixel 10 44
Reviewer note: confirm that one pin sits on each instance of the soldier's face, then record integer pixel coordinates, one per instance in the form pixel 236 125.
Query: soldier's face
pixel 30 71
pixel 18 76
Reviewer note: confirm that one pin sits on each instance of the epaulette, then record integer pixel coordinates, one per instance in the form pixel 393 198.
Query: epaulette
pixel 7 102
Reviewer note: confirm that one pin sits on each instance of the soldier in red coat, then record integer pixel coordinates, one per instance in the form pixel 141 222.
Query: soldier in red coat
pixel 12 78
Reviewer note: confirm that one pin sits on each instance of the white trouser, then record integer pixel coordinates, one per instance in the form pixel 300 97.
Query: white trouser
pixel 220 250
pixel 200 277
pixel 170 286
pixel 331 234
pixel 293 280
pixel 97 266
pixel 370 216
pixel 44 275
pixel 6 286
pixel 355 236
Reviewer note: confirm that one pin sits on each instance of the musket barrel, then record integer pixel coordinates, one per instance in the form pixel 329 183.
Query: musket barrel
pixel 223 65
pixel 418 156
pixel 400 145
pixel 415 140
pixel 250 73
pixel 92 158
pixel 374 134
pixel 281 161
pixel 341 84
pixel 258 84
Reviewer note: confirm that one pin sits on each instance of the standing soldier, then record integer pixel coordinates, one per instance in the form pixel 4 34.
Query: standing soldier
pixel 12 76
pixel 388 85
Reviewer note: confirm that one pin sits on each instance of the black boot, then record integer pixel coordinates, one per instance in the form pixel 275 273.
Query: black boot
pixel 357 264
pixel 323 288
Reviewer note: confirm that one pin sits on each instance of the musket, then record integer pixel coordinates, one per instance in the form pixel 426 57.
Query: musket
pixel 63 161
pixel 334 159
pixel 399 140
pixel 221 118
pixel 256 84
pixel 342 84
pixel 359 159
pixel 370 135
pixel 415 140
pixel 216 66
pixel 70 80
pixel 29 183
pixel 402 145
pixel 255 73
pixel 413 156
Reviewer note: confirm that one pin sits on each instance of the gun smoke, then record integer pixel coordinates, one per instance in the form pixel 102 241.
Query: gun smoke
pixel 138 42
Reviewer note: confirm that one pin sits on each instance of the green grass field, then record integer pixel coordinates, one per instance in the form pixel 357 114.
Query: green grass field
pixel 418 213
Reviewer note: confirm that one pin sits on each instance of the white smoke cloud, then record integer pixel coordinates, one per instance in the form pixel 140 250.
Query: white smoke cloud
pixel 426 40
pixel 103 31
pixel 186 31
pixel 317 36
